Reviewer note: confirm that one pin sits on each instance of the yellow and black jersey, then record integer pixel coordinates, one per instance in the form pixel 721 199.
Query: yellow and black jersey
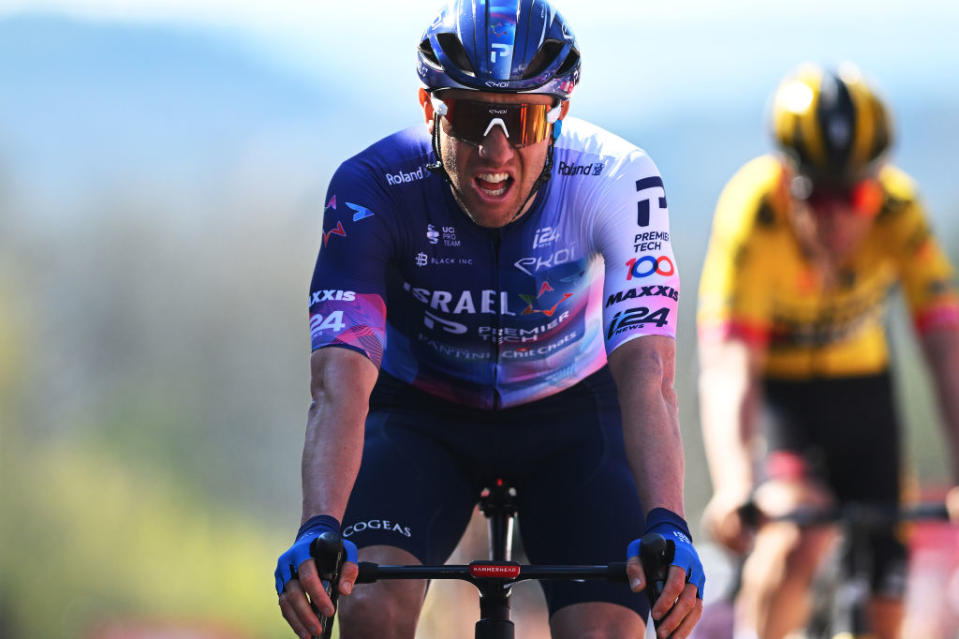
pixel 757 284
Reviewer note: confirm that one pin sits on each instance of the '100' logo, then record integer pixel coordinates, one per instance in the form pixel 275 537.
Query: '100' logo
pixel 647 265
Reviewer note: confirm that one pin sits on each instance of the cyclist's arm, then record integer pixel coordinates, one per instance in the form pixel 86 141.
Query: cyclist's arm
pixel 342 380
pixel 348 335
pixel 728 403
pixel 644 369
pixel 928 280
pixel 941 348
pixel 733 326
pixel 341 383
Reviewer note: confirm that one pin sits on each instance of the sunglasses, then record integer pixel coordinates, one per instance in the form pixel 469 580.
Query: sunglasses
pixel 471 121
pixel 863 198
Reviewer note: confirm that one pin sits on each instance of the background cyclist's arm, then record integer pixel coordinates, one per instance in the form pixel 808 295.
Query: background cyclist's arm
pixel 729 390
pixel 929 282
pixel 941 348
pixel 734 299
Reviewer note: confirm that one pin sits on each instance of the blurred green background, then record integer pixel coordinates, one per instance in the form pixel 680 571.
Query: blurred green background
pixel 162 171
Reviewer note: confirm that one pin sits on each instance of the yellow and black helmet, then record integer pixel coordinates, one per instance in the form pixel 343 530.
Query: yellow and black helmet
pixel 831 125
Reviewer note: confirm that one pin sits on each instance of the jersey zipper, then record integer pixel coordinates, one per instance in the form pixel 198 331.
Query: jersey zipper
pixel 496 337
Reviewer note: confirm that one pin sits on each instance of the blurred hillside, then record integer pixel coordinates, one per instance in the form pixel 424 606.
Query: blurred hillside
pixel 160 200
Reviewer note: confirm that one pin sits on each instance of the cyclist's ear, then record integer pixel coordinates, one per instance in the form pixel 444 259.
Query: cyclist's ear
pixel 427 107
pixel 564 109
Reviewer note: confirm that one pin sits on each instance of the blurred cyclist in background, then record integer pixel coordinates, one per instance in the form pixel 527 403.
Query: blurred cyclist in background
pixel 476 270
pixel 805 249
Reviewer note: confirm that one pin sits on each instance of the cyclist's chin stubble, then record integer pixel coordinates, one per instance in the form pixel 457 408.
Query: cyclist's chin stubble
pixel 457 162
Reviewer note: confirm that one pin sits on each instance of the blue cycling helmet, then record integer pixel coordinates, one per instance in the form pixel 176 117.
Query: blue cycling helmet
pixel 508 46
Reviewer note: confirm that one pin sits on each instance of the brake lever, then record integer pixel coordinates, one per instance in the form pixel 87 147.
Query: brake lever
pixel 328 553
pixel 656 556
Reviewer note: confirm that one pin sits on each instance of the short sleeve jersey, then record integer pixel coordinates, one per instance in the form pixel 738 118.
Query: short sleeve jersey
pixel 757 284
pixel 492 318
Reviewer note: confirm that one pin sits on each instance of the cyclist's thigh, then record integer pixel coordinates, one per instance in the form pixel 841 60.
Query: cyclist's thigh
pixel 388 608
pixel 411 492
pixel 864 466
pixel 862 445
pixel 789 431
pixel 580 505
pixel 595 619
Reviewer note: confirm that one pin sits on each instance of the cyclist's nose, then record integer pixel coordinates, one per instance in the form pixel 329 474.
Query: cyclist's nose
pixel 496 147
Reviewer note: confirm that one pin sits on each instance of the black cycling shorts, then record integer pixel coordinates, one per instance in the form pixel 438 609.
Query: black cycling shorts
pixel 846 431
pixel 426 460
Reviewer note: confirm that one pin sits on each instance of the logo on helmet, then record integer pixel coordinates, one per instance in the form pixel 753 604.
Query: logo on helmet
pixel 499 51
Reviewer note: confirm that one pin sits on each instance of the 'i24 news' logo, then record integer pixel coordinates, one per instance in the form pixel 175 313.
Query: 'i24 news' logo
pixel 637 317
pixel 332 322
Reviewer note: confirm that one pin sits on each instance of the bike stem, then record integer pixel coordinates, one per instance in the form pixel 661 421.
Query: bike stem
pixel 498 504
pixel 494 620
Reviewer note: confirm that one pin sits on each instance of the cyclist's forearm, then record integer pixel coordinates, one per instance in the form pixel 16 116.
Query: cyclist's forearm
pixel 644 371
pixel 728 403
pixel 341 384
pixel 942 352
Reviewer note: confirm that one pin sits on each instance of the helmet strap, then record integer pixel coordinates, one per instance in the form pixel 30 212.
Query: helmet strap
pixel 437 167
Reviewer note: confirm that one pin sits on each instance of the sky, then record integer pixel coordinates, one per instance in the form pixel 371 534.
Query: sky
pixel 669 47
pixel 682 68
pixel 136 91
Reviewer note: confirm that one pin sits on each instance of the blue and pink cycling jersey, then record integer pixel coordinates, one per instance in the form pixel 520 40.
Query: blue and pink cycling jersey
pixel 492 318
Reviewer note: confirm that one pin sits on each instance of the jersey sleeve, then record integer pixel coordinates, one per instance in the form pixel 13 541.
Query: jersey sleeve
pixel 631 232
pixel 733 295
pixel 347 301
pixel 927 276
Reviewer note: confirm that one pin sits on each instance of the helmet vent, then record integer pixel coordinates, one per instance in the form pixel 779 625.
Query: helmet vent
pixel 453 48
pixel 544 57
pixel 426 50
pixel 571 61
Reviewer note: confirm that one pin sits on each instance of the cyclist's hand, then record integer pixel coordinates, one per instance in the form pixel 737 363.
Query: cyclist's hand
pixel 680 605
pixel 298 583
pixel 723 520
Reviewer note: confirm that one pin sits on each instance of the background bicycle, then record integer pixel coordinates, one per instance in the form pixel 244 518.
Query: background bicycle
pixel 841 589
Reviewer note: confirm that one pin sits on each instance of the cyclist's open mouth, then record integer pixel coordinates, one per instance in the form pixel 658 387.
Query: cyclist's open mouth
pixel 493 185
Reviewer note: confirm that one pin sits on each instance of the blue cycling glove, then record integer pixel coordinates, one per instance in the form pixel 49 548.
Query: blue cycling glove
pixel 300 550
pixel 672 526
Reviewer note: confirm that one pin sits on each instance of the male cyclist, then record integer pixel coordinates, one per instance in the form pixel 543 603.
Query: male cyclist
pixel 475 273
pixel 805 248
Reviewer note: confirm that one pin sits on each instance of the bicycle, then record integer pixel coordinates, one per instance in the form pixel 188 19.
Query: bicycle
pixel 495 577
pixel 841 598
